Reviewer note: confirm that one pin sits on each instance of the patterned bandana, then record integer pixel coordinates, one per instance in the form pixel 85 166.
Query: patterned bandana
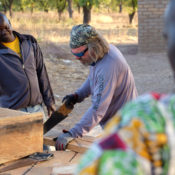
pixel 81 34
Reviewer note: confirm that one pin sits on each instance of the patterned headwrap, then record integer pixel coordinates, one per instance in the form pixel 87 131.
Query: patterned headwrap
pixel 81 34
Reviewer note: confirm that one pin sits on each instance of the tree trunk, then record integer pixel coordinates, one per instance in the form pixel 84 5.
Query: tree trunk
pixel 59 16
pixel 4 8
pixel 46 10
pixel 10 2
pixel 31 8
pixel 61 4
pixel 108 9
pixel 131 16
pixel 79 9
pixel 21 9
pixel 10 12
pixel 70 8
pixel 120 7
pixel 86 15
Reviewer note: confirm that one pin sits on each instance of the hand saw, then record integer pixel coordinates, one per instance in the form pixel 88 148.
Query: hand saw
pixel 60 114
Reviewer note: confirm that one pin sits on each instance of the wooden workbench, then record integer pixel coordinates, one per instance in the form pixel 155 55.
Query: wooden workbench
pixel 63 162
pixel 21 134
pixel 19 140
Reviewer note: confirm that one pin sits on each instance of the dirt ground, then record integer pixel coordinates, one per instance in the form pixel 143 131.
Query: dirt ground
pixel 151 71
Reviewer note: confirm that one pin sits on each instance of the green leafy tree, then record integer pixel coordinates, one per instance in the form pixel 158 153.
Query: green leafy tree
pixel 19 5
pixel 132 4
pixel 77 4
pixel 117 5
pixel 7 5
pixel 22 5
pixel 30 4
pixel 106 4
pixel 43 4
pixel 87 7
pixel 60 6
pixel 3 6
pixel 120 5
pixel 70 8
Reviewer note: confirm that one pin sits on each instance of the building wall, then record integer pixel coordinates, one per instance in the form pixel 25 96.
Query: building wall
pixel 150 29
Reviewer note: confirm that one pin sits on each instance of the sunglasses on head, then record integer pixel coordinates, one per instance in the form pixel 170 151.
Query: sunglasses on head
pixel 81 53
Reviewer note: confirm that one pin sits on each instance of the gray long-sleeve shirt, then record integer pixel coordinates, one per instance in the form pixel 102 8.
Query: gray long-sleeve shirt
pixel 110 84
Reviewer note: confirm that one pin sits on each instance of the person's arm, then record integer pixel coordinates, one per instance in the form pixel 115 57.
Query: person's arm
pixel 43 79
pixel 79 95
pixel 84 91
pixel 104 88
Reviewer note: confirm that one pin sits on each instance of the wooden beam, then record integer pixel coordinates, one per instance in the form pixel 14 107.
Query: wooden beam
pixel 21 134
pixel 61 159
pixel 79 145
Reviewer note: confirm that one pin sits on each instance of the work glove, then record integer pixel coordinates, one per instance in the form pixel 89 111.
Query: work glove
pixel 70 100
pixel 62 140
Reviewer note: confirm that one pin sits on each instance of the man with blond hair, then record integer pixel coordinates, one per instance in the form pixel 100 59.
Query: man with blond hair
pixel 110 82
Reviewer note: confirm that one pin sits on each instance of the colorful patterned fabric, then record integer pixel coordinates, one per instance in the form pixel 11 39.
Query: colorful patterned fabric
pixel 139 140
pixel 81 34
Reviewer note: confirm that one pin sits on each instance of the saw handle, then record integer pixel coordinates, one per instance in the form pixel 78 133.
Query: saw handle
pixel 65 109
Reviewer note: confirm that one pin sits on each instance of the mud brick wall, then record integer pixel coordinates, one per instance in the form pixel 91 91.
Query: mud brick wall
pixel 151 21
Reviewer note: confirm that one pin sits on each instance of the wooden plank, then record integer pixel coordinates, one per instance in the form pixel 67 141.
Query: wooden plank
pixel 61 160
pixel 5 113
pixel 21 134
pixel 64 162
pixel 79 145
pixel 88 139
pixel 16 164
pixel 60 157
pixel 49 141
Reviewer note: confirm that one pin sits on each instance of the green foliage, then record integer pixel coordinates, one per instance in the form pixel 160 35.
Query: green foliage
pixel 106 2
pixel 60 5
pixel 2 5
pixel 89 3
pixel 106 5
pixel 43 5
pixel 131 5
pixel 22 5
pixel 5 4
pixel 75 1
pixel 19 5
pixel 57 4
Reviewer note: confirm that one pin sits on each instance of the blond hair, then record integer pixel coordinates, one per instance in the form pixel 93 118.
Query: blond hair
pixel 97 47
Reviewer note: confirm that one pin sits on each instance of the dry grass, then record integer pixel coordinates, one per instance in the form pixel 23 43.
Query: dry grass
pixel 51 33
